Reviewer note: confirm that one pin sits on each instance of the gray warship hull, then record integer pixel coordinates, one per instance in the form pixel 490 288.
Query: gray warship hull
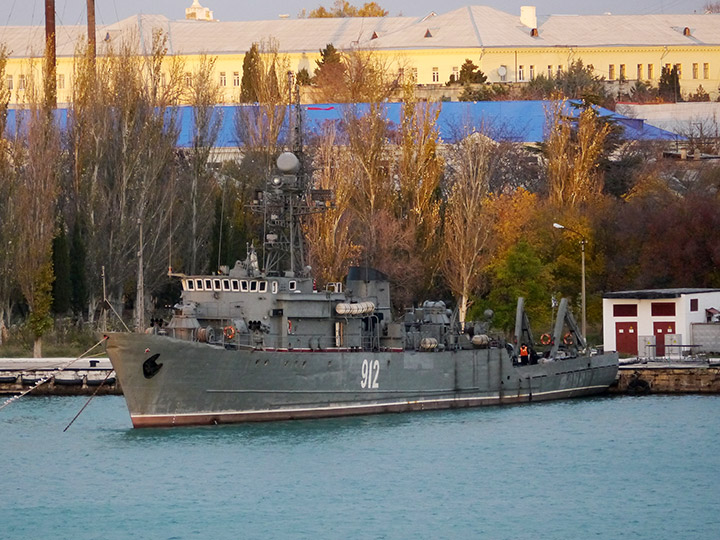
pixel 170 382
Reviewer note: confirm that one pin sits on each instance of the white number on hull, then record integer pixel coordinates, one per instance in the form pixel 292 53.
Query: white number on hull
pixel 369 373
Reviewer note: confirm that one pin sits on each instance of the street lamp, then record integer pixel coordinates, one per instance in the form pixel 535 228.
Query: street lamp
pixel 582 258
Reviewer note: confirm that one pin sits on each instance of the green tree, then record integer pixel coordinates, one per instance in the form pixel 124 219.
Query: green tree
pixel 78 277
pixel 520 273
pixel 251 73
pixel 669 85
pixel 61 285
pixel 580 82
pixel 303 77
pixel 470 74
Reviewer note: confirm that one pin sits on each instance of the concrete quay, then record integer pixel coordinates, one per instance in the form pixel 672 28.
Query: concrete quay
pixel 79 377
pixel 668 377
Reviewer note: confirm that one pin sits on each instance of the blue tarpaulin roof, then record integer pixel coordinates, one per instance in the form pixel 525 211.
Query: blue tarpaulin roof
pixel 516 121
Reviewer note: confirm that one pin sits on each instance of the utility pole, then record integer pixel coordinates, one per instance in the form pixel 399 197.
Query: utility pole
pixel 92 47
pixel 50 56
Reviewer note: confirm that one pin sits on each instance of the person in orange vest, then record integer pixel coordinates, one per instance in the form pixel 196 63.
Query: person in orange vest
pixel 524 354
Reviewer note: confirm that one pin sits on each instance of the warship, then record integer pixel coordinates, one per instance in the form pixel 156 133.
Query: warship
pixel 258 344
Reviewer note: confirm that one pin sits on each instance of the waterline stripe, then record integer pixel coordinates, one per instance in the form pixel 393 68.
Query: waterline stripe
pixel 494 397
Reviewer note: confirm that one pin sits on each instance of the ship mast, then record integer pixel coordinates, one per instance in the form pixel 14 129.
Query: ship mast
pixel 285 202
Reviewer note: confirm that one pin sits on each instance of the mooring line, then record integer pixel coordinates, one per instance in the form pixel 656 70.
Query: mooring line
pixel 47 378
pixel 89 400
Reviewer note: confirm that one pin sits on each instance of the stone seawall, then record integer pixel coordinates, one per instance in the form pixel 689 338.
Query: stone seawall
pixel 668 379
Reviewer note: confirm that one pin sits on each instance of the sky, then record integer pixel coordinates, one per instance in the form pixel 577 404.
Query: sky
pixel 26 12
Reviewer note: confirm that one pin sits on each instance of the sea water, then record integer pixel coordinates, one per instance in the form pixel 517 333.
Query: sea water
pixel 610 467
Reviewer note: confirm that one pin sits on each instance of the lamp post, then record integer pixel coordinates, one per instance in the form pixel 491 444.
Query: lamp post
pixel 582 259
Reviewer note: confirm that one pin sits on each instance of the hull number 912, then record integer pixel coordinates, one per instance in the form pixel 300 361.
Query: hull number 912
pixel 369 373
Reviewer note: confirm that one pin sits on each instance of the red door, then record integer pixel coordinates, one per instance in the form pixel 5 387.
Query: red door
pixel 626 337
pixel 660 329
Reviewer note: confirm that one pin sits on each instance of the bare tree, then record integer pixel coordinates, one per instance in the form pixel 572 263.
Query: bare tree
pixel 258 126
pixel 328 234
pixel 468 222
pixel 418 171
pixel 203 96
pixel 573 149
pixel 124 133
pixel 36 163
pixel 7 219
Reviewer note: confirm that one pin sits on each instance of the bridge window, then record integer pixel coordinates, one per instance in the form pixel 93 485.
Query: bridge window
pixel 262 287
pixel 243 285
pixel 189 284
pixel 225 284
pixel 216 285
pixel 292 285
pixel 253 286
pixel 274 287
pixel 235 285
pixel 198 285
pixel 208 285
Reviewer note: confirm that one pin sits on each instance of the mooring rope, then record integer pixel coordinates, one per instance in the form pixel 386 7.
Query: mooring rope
pixel 48 377
pixel 89 400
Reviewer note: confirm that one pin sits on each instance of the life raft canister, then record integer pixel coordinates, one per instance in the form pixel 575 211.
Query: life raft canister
pixel 229 332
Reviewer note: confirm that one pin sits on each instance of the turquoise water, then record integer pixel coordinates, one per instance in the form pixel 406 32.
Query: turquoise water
pixel 623 467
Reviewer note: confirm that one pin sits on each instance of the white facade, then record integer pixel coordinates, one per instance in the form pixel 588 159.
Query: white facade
pixel 642 322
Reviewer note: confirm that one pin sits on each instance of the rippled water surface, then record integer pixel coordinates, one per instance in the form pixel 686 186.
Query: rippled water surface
pixel 623 467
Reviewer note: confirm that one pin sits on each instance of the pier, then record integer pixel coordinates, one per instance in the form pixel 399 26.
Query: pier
pixel 81 377
pixel 664 376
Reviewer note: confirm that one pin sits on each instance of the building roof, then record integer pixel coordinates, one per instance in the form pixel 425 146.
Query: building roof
pixel 514 121
pixel 652 294
pixel 466 27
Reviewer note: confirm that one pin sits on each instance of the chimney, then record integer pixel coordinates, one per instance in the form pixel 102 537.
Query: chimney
pixel 528 17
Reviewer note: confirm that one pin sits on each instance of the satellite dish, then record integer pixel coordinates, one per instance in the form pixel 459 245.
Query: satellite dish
pixel 502 71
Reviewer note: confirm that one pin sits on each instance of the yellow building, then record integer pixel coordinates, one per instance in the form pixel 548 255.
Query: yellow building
pixel 508 48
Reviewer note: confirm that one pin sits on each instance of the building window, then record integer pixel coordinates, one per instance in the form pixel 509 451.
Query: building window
pixel 679 70
pixel 696 71
pixel 521 73
pixel 61 81
pixel 693 304
pixel 414 74
pixel 625 310
pixel 550 72
pixel 21 82
pixel 532 73
pixel 9 82
pixel 639 72
pixel 668 67
pixel 223 79
pixel 435 75
pixel 651 72
pixel 662 309
pixel 456 73
pixel 706 71
pixel 236 78
pixel 623 72
pixel 611 72
pixel 188 80
pixel 559 70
